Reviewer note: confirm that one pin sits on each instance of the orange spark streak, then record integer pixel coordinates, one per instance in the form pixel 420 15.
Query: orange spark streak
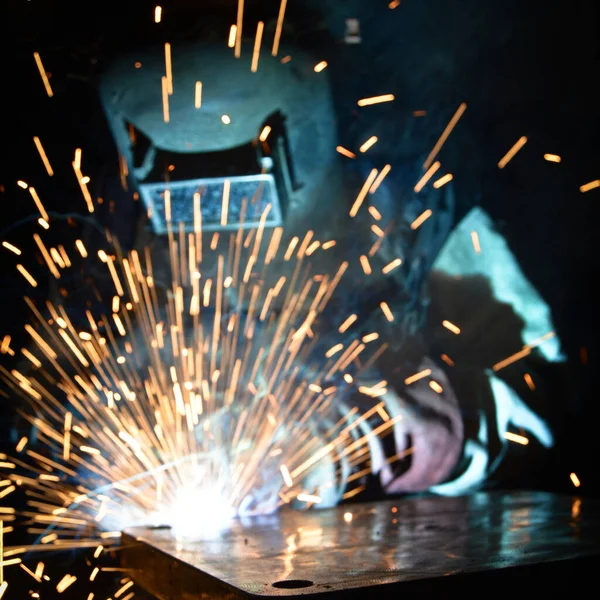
pixel 257 42
pixel 421 219
pixel 376 100
pixel 369 143
pixel 42 153
pixel 438 146
pixel 511 153
pixel 40 66
pixel 238 40
pixel 278 28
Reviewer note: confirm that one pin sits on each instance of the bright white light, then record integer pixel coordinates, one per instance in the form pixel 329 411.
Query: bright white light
pixel 197 513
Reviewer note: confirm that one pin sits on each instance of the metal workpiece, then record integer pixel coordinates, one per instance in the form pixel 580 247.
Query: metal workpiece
pixel 421 545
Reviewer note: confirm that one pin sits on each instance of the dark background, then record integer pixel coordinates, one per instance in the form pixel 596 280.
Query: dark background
pixel 524 67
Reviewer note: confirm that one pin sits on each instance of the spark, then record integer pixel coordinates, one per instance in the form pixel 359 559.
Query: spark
pixel 382 175
pixel 370 337
pixel 447 360
pixel 81 180
pixel 320 66
pixel 334 350
pixel 575 480
pixel 21 445
pixel 39 204
pixel 5 347
pixel 65 583
pixel 257 42
pixel 475 240
pixel 40 149
pixel 394 4
pixel 30 573
pixel 391 266
pixel 427 176
pixel 123 589
pixel 226 119
pixel 44 75
pixel 389 315
pixel 165 98
pixel 442 181
pixel 436 387
pixel 419 113
pixel 81 247
pixel 225 202
pixel 311 249
pixel 529 381
pixel 278 28
pixel 198 95
pixel 420 375
pixel 238 29
pixel 369 143
pixel 421 219
pixel 554 158
pixel 592 185
pixel 364 263
pixel 347 323
pixel 445 134
pixel 375 213
pixel 345 152
pixel 232 36
pixel 451 327
pixel 511 153
pixel 157 14
pixel 22 184
pixel 354 492
pixel 518 439
pixel 168 69
pixel 377 230
pixel 309 498
pixel 511 359
pixel 264 134
pixel 363 193
pixel 27 275
pixel 376 100
pixel 12 248
pixel 287 478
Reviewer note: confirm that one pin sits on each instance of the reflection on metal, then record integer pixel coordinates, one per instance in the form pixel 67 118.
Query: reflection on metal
pixel 418 545
pixel 257 190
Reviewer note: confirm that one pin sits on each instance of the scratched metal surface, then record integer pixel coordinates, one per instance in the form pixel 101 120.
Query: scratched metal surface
pixel 386 544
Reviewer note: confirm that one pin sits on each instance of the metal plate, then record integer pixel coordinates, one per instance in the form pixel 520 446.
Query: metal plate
pixel 389 545
pixel 259 190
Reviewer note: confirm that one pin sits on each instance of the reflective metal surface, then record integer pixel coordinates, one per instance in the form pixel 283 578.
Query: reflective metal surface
pixel 390 545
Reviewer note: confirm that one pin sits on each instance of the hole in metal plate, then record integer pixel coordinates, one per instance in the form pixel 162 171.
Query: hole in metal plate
pixel 292 584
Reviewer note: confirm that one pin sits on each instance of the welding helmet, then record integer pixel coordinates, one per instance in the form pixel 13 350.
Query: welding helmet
pixel 270 133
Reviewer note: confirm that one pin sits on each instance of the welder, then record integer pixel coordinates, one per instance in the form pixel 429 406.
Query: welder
pixel 275 127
